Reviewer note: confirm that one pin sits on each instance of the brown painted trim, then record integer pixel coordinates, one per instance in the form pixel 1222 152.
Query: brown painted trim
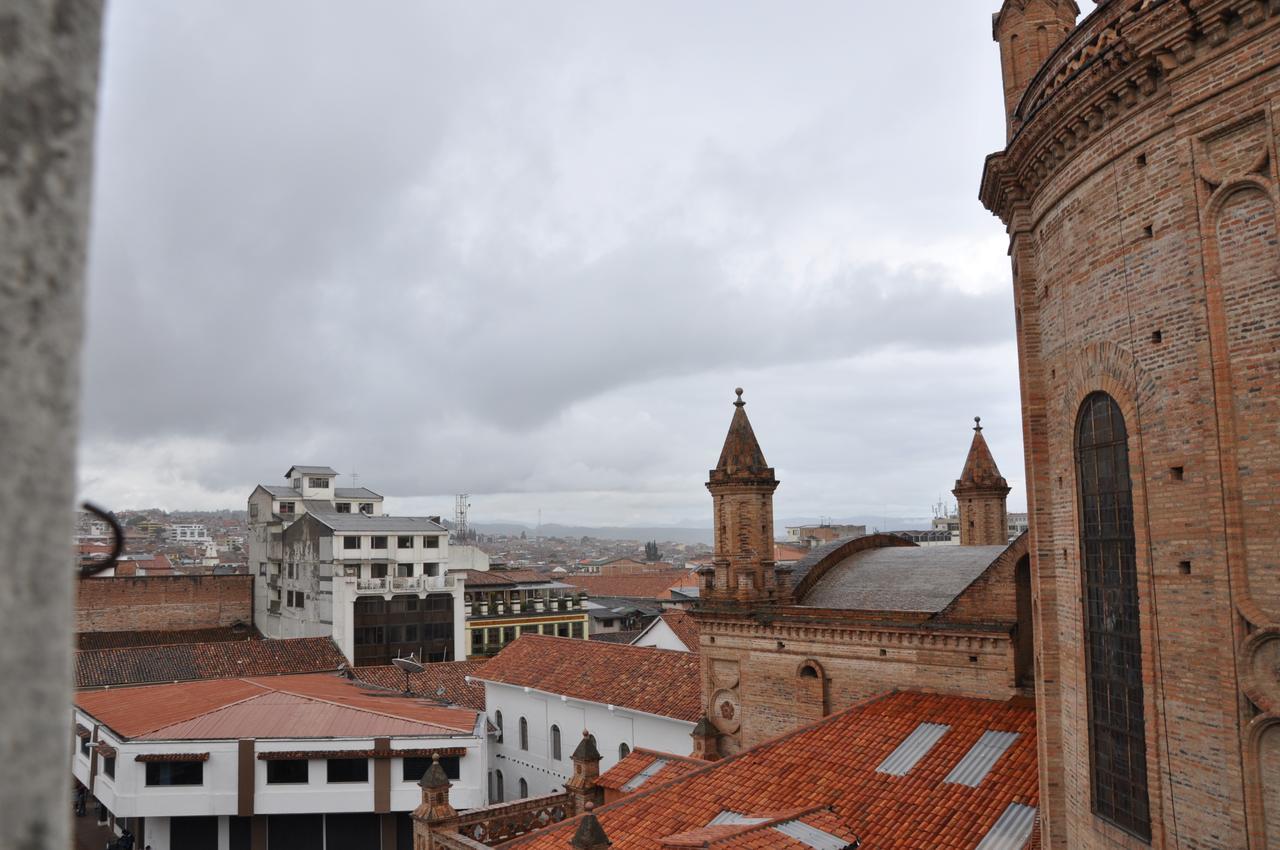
pixel 388 830
pixel 258 833
pixel 293 755
pixel 382 778
pixel 245 779
pixel 171 757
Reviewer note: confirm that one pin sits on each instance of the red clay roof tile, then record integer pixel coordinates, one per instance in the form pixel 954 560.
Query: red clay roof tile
pixel 833 763
pixel 656 681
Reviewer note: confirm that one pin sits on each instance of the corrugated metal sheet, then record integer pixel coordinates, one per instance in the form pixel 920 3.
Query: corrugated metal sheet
pixel 977 763
pixel 1011 830
pixel 645 775
pixel 728 817
pixel 812 836
pixel 911 750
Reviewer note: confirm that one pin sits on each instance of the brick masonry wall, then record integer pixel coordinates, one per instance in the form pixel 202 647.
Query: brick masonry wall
pixel 163 602
pixel 857 662
pixel 1146 266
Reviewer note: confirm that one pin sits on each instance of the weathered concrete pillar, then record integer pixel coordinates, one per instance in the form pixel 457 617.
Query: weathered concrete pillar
pixel 48 89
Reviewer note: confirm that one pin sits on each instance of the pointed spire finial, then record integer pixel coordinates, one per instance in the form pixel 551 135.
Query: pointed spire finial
pixel 739 402
pixel 977 423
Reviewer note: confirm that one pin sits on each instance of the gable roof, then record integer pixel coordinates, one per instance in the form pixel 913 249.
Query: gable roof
pixel 324 513
pixel 901 578
pixel 638 586
pixel 311 470
pixel 307 706
pixel 111 640
pixel 655 681
pixel 643 767
pixel 502 578
pixel 832 763
pixel 138 665
pixel 355 493
pixel 449 675
pixel 681 623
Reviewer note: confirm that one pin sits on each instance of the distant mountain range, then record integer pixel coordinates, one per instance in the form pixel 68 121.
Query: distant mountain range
pixel 682 533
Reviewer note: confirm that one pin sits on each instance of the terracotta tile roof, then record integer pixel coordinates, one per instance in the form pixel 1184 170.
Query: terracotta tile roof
pixel 307 706
pixel 110 640
pixel 685 627
pixel 639 586
pixel 769 832
pixel 450 675
pixel 502 578
pixel 640 758
pixel 833 764
pixel 618 637
pixel 656 681
pixel 138 665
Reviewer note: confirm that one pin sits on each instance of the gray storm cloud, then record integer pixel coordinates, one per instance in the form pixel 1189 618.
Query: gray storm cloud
pixel 519 248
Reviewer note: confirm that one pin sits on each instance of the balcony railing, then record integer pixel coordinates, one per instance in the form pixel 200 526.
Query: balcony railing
pixel 404 584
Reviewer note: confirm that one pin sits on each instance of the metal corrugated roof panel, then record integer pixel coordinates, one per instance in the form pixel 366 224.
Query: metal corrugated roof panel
pixel 912 749
pixel 645 775
pixel 977 763
pixel 1011 830
pixel 734 818
pixel 811 835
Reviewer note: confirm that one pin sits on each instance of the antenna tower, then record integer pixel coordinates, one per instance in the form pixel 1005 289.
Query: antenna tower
pixel 460 529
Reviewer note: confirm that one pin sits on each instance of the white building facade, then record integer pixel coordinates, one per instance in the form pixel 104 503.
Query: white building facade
pixel 329 562
pixel 216 793
pixel 538 731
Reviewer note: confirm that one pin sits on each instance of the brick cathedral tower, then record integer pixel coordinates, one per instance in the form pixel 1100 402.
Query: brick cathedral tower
pixel 742 486
pixel 1140 187
pixel 980 494
pixel 1028 31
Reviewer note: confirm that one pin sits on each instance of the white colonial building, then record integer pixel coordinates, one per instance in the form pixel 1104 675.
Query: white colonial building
pixel 542 693
pixel 329 562
pixel 234 764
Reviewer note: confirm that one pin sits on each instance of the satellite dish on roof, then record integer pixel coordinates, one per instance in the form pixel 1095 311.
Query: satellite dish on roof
pixel 408 665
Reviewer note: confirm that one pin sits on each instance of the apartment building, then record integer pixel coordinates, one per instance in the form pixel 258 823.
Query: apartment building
pixel 329 562
pixel 501 605
pixel 270 761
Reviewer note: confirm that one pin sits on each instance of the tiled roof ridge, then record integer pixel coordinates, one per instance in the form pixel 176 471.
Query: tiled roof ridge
pixel 652 788
pixel 670 756
pixel 314 698
pixel 188 719
pixel 769 822
pixel 613 647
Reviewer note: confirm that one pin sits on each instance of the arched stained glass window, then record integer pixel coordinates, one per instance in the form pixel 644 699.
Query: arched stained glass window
pixel 555 742
pixel 1113 643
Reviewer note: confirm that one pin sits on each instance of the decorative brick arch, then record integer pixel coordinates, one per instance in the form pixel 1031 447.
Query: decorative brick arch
pixel 813 700
pixel 1112 369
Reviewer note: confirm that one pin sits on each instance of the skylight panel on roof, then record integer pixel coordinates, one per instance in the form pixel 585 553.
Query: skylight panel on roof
pixel 645 775
pixel 1011 830
pixel 811 836
pixel 911 750
pixel 975 765
pixel 728 817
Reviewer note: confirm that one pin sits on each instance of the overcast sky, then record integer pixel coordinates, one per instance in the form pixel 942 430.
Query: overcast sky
pixel 527 250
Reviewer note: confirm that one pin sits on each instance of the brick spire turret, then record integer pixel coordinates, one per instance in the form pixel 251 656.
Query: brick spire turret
pixel 586 770
pixel 435 815
pixel 590 834
pixel 980 495
pixel 742 486
pixel 1028 31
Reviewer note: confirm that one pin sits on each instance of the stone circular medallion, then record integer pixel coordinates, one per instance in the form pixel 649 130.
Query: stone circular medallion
pixel 726 711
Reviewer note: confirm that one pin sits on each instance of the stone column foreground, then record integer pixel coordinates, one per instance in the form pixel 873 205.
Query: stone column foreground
pixel 49 53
